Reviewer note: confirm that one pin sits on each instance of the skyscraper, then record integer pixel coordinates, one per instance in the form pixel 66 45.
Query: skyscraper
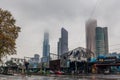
pixel 101 41
pixel 46 46
pixel 106 40
pixel 59 48
pixel 63 42
pixel 91 25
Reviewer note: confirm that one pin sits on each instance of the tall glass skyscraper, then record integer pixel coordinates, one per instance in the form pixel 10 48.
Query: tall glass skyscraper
pixel 63 42
pixel 46 46
pixel 101 41
pixel 91 25
pixel 106 40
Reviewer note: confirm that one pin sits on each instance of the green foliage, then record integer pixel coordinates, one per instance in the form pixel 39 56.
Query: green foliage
pixel 10 63
pixel 8 33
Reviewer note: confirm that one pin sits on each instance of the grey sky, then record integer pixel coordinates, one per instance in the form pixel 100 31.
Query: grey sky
pixel 33 16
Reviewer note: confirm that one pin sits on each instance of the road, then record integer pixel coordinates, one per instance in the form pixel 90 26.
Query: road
pixel 56 77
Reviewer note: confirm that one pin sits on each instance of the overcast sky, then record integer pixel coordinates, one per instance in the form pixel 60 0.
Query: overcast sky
pixel 34 16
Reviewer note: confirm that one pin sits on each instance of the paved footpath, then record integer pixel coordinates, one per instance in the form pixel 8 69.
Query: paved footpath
pixel 57 77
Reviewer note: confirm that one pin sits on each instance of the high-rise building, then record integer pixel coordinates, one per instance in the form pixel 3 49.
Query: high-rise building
pixel 101 41
pixel 100 49
pixel 91 25
pixel 46 47
pixel 59 48
pixel 106 40
pixel 63 42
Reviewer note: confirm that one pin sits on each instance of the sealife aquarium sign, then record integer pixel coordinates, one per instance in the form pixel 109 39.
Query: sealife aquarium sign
pixel 108 59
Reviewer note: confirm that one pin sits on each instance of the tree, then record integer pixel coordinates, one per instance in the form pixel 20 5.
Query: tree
pixel 10 63
pixel 8 34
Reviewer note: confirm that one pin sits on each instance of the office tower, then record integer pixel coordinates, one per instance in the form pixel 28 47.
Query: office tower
pixel 100 45
pixel 91 25
pixel 63 42
pixel 59 48
pixel 46 46
pixel 106 40
pixel 101 41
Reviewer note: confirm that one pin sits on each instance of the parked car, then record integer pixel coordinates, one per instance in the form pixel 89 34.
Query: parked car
pixel 52 72
pixel 106 72
pixel 59 72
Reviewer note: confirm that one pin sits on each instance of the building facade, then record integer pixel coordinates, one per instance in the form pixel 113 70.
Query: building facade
pixel 106 40
pixel 46 47
pixel 59 48
pixel 37 58
pixel 78 54
pixel 101 41
pixel 34 61
pixel 91 25
pixel 63 42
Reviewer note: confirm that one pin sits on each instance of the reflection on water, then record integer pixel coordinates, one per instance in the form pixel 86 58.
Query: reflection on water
pixel 55 77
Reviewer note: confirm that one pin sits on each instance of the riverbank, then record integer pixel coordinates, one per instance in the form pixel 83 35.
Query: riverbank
pixel 61 77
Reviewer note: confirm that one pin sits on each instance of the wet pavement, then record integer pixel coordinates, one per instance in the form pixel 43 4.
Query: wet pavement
pixel 62 77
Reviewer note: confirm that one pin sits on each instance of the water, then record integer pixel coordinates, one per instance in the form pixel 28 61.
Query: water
pixel 57 77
